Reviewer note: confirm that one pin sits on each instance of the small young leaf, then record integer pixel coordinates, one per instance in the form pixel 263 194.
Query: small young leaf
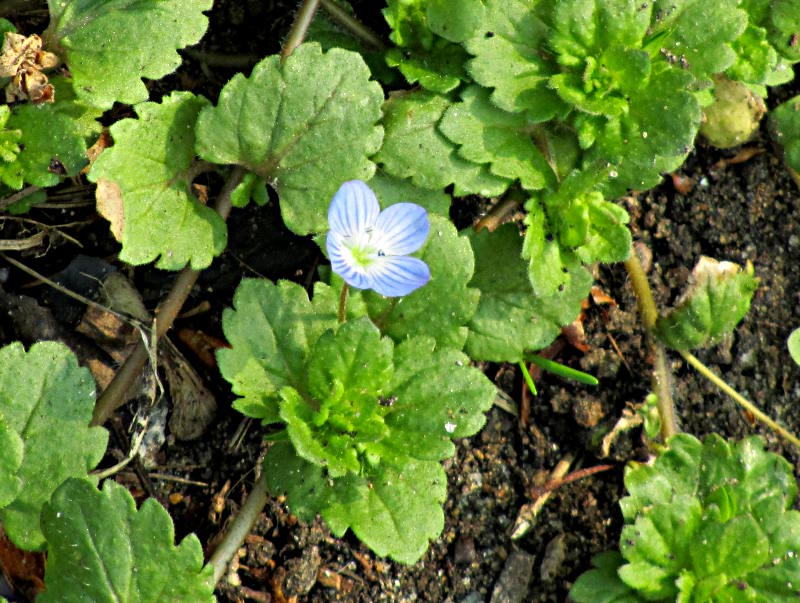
pixel 718 297
pixel 47 399
pixel 144 181
pixel 785 123
pixel 414 147
pixel 102 549
pixel 508 58
pixel 490 135
pixel 602 584
pixel 511 317
pixel 289 122
pixel 271 329
pixel 87 36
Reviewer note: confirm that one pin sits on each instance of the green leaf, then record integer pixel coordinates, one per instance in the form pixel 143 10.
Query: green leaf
pixel 47 399
pixel 782 26
pixel 289 123
pixel 11 172
pixel 144 181
pixel 391 190
pixel 784 120
pixel 794 345
pixel 511 317
pixel 88 36
pixel 415 148
pixel 102 549
pixel 490 135
pixel 718 297
pixel 51 147
pixel 438 69
pixel 442 308
pixel 12 447
pixel 396 512
pixel 455 21
pixel 602 585
pixel 271 329
pixel 83 116
pixel 508 58
pixel 692 513
pixel 698 34
pixel 756 59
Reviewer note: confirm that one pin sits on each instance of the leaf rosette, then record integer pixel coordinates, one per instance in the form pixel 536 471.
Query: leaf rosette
pixel 708 521
pixel 366 420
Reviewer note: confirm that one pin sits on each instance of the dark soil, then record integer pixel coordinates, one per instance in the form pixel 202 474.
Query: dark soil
pixel 741 212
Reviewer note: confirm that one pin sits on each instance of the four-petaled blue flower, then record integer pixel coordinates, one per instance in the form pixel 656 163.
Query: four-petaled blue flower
pixel 369 248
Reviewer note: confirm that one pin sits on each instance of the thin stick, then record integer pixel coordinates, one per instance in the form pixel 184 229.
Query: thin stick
pixel 648 312
pixel 302 21
pixel 239 527
pixel 115 394
pixel 739 399
pixel 13 198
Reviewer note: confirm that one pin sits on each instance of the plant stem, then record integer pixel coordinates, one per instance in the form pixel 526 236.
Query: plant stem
pixel 302 21
pixel 240 527
pixel 528 379
pixel 343 303
pixel 115 394
pixel 661 374
pixel 353 25
pixel 738 398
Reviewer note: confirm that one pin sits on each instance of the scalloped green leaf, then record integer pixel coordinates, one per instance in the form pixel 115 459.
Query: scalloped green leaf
pixel 698 34
pixel 87 35
pixel 271 329
pixel 11 172
pixel 490 135
pixel 391 190
pixel 144 184
pixel 395 511
pixel 783 24
pixel 12 448
pixel 101 548
pixel 289 123
pixel 442 308
pixel 602 584
pixel 717 298
pixel 511 317
pixel 508 58
pixel 413 147
pixel 51 146
pixel 47 399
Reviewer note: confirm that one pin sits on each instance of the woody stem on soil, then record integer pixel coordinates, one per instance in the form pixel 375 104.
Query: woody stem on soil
pixel 661 374
pixel 115 394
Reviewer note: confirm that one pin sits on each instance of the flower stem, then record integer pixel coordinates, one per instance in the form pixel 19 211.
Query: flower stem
pixel 352 24
pixel 738 398
pixel 661 375
pixel 343 302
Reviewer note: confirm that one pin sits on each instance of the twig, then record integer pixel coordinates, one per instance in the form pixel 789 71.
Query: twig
pixel 353 25
pixel 302 21
pixel 497 214
pixel 661 375
pixel 239 527
pixel 19 195
pixel 528 512
pixel 114 395
pixel 738 398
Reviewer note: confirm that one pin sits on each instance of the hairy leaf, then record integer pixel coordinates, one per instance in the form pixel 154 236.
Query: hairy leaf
pixel 718 297
pixel 102 549
pixel 110 46
pixel 290 123
pixel 144 187
pixel 47 400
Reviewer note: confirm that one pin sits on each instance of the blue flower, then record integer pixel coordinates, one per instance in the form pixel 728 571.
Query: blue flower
pixel 369 248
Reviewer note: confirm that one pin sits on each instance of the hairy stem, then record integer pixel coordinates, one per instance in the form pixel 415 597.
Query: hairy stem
pixel 115 394
pixel 302 21
pixel 661 374
pixel 353 25
pixel 343 303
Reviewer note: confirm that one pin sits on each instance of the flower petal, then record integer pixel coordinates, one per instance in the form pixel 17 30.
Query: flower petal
pixel 401 229
pixel 353 209
pixel 343 264
pixel 395 276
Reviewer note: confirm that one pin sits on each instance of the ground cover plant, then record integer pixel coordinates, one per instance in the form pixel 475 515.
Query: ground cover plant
pixel 362 380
